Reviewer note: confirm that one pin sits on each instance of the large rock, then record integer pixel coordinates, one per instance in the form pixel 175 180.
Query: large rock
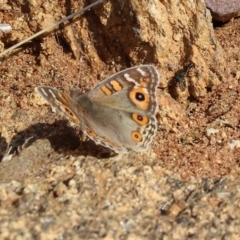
pixel 167 34
pixel 120 34
pixel 224 10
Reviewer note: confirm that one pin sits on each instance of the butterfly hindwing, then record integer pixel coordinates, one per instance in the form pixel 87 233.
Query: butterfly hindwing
pixel 62 102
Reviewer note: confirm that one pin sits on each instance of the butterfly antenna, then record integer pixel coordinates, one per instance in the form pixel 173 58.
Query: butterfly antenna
pixel 58 41
pixel 50 27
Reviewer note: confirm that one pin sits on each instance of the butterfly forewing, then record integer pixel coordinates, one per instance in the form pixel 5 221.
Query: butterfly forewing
pixel 131 89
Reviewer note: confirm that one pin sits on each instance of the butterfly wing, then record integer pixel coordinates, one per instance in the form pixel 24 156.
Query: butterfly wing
pixel 62 102
pixel 128 105
pixel 117 130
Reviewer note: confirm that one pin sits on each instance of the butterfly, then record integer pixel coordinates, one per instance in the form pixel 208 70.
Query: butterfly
pixel 118 113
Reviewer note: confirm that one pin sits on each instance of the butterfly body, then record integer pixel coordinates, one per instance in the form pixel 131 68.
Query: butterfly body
pixel 118 113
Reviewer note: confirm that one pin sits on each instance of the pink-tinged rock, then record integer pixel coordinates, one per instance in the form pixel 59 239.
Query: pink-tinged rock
pixel 223 10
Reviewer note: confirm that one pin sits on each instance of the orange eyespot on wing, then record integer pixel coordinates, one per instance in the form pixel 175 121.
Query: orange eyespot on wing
pixel 141 120
pixel 140 98
pixel 136 136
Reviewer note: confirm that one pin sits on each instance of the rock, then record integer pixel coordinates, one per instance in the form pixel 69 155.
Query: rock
pixel 125 33
pixel 166 34
pixel 224 10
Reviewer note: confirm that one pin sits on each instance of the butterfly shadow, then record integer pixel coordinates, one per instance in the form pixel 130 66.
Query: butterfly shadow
pixel 3 146
pixel 63 139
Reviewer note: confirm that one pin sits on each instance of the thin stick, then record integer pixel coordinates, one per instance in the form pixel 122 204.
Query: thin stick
pixel 80 68
pixel 50 27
